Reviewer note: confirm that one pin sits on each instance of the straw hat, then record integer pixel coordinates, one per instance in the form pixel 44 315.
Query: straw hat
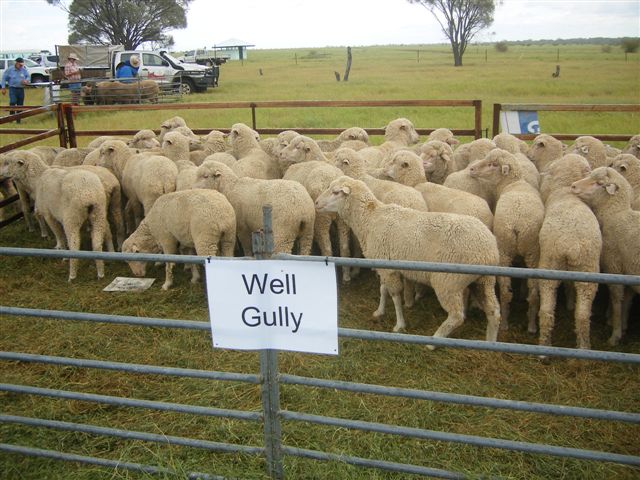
pixel 134 61
pixel 72 56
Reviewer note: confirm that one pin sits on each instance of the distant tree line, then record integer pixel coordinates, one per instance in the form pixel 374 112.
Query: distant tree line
pixel 576 41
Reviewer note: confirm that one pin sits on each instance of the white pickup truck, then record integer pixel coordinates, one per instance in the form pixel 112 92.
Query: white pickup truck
pixel 37 74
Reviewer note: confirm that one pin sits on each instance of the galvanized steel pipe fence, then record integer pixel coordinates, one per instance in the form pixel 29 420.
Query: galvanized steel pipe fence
pixel 270 379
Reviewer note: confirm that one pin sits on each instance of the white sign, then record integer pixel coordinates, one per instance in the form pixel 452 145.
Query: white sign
pixel 284 305
pixel 519 121
pixel 129 284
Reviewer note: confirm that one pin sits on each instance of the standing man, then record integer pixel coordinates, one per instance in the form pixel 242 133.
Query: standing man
pixel 16 77
pixel 72 74
pixel 128 71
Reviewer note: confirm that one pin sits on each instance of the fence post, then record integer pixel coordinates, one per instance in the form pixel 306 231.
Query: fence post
pixel 71 128
pixel 478 118
pixel 62 131
pixel 253 116
pixel 262 243
pixel 497 107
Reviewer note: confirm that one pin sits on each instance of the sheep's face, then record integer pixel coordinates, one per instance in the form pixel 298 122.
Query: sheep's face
pixel 297 151
pixel 402 164
pixel 598 187
pixel 13 166
pixel 354 133
pixel 209 176
pixel 434 153
pixel 345 159
pixel 138 268
pixel 333 197
pixel 494 165
pixel 401 130
pixel 625 164
pixel 633 147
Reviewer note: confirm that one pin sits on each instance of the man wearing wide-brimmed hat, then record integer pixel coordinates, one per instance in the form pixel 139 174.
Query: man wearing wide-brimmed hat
pixel 72 75
pixel 128 70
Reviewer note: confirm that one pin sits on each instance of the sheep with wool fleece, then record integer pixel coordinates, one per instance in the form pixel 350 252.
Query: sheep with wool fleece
pixel 517 220
pixel 510 143
pixel 186 174
pixel 70 157
pixel 353 164
pixel 200 219
pixel 144 139
pixel 388 231
pixel 609 195
pixel 437 160
pixel 316 176
pixel 215 141
pixel 65 199
pixel 350 134
pixel 570 239
pixel 48 154
pixel 406 168
pixel 633 146
pixel 299 150
pixel 468 153
pixel 145 178
pixel 592 149
pixel 24 187
pixel 544 150
pixel 399 133
pixel 170 124
pixel 444 135
pixel 628 166
pixel 293 210
pixel 253 161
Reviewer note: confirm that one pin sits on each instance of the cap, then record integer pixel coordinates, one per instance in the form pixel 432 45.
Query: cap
pixel 72 56
pixel 19 60
pixel 134 61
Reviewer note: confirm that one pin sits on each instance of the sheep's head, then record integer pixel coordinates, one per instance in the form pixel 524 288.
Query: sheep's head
pixel 298 150
pixel 17 164
pixel 109 150
pixel 602 186
pixel 496 164
pixel 335 195
pixel 444 135
pixel 590 148
pixel 348 160
pixel 212 174
pixel 633 147
pixel 434 153
pixel 404 163
pixel 626 164
pixel 354 133
pixel 133 244
pixel 401 130
pixel 175 140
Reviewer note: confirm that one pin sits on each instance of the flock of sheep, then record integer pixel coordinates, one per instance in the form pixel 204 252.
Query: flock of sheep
pixel 487 202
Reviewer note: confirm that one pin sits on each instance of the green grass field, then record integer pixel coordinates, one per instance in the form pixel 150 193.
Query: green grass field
pixel 521 75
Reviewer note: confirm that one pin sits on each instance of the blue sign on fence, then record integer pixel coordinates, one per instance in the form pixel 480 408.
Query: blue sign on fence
pixel 520 121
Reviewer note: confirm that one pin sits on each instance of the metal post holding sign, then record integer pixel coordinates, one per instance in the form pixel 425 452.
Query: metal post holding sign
pixel 262 243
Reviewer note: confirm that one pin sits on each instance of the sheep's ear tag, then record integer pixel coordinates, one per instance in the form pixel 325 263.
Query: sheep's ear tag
pixel 611 188
pixel 505 169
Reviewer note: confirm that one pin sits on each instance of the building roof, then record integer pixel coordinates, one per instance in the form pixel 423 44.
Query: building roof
pixel 233 42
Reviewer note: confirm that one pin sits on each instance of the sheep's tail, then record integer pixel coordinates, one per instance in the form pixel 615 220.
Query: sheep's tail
pixel 305 236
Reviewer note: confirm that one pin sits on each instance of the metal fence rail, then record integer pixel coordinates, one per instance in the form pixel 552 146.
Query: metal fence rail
pixel 270 380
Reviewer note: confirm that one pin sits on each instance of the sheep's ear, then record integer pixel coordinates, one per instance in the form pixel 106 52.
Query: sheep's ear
pixel 446 157
pixel 622 167
pixel 346 190
pixel 405 164
pixel 611 188
pixel 584 149
pixel 403 127
pixel 453 142
pixel 307 148
pixel 20 162
pixel 217 173
pixel 505 169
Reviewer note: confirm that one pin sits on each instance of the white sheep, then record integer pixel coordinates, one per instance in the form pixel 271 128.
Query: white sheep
pixel 544 150
pixel 144 179
pixel 399 133
pixel 510 143
pixel 293 211
pixel 215 141
pixel 222 157
pixel 253 161
pixel 437 160
pixel 48 154
pixel 388 231
pixel 353 164
pixel 406 168
pixel 629 167
pixel 592 149
pixel 170 124
pixel 300 149
pixel 444 135
pixel 633 146
pixel 350 134
pixel 144 139
pixel 71 157
pixel 468 153
pixel 517 219
pixel 186 175
pixel 462 180
pixel 609 195
pixel 570 239
pixel 65 199
pixel 198 219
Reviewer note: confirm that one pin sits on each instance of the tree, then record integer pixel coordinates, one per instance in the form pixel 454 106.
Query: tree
pixel 123 22
pixel 460 20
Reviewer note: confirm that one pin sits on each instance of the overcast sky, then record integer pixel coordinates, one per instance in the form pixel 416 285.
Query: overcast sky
pixel 33 24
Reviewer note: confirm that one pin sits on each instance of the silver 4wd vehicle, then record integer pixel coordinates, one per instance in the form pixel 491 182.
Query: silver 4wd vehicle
pixel 165 69
pixel 37 74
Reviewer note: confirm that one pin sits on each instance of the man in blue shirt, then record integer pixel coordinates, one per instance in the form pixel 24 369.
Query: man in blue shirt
pixel 128 71
pixel 16 77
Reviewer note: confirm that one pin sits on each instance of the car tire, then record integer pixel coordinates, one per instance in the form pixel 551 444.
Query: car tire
pixel 187 87
pixel 37 78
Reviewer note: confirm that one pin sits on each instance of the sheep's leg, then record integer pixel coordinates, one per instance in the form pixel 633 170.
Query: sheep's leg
pixel 100 233
pixel 115 212
pixel 130 217
pixel 169 247
pixel 108 239
pixel 585 293
pixel 408 292
pixel 58 232
pixel 207 247
pixel 227 244
pixel 393 284
pixel 282 244
pixel 548 290
pixel 305 238
pixel 569 296
pixel 490 306
pixel 382 303
pixel 73 239
pixel 345 250
pixel 506 295
pixel 321 234
pixel 25 204
pixel 43 227
pixel 616 295
pixel 453 302
pixel 533 300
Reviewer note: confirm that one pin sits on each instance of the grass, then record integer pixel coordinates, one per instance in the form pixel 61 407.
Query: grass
pixel 521 75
